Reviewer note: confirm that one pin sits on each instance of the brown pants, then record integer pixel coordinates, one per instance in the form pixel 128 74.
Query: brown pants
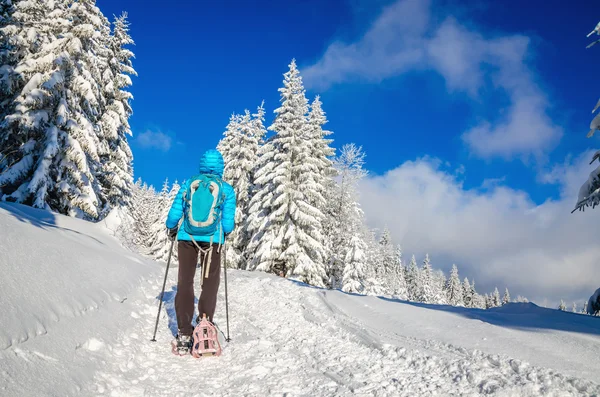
pixel 184 299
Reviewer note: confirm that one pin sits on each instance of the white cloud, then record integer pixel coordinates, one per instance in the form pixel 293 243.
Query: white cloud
pixel 408 37
pixel 496 235
pixel 155 140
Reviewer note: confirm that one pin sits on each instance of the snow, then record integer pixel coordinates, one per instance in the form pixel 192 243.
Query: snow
pixel 78 312
pixel 63 281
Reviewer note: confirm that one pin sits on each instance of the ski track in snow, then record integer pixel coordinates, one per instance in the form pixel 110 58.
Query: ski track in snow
pixel 288 340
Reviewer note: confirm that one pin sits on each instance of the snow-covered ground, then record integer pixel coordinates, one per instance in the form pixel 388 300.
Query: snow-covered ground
pixel 288 339
pixel 64 285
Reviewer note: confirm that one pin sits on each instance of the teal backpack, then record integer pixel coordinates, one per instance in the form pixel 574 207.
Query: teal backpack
pixel 203 204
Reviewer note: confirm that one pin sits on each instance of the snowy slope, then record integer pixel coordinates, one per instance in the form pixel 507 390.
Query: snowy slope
pixel 294 340
pixel 287 338
pixel 62 280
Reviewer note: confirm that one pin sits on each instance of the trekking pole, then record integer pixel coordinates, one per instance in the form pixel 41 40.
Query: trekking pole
pixel 226 300
pixel 162 294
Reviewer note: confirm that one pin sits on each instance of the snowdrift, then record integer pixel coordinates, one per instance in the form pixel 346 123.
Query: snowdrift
pixel 62 281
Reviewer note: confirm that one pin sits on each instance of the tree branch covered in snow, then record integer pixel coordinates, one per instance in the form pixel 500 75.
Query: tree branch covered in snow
pixel 589 193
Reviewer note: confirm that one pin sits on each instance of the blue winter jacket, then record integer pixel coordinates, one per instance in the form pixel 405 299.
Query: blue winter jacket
pixel 211 163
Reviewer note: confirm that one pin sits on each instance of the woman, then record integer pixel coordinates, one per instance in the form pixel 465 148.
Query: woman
pixel 194 242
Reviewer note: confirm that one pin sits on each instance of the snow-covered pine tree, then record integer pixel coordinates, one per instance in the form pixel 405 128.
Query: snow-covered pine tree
pixel 562 306
pixel 478 299
pixel 343 215
pixel 321 152
pixel 374 279
pixel 506 297
pixel 353 275
pixel 489 301
pixel 400 288
pixel 51 141
pixel 427 294
pixel 143 213
pixel 454 288
pixel 160 245
pixel 239 148
pixel 27 134
pixel 467 293
pixel 255 133
pixel 584 308
pixel 289 237
pixel 413 280
pixel 574 307
pixel 439 282
pixel 323 155
pixel 496 300
pixel 387 273
pixel 116 174
pixel 521 299
pixel 589 192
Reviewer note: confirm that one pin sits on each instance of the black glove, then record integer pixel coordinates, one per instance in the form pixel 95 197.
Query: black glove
pixel 172 233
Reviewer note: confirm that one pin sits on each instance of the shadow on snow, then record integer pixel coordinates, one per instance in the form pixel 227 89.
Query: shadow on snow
pixel 43 219
pixel 523 316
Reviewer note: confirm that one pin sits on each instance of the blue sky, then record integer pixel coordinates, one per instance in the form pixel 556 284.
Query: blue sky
pixel 198 64
pixel 489 101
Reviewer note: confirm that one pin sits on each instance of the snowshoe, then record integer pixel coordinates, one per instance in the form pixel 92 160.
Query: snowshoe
pixel 205 340
pixel 181 345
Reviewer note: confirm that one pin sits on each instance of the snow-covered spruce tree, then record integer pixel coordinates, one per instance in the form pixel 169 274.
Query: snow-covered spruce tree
pixel 489 302
pixel 478 301
pixel 454 288
pixel 141 214
pixel 239 156
pixel 374 273
pixel 343 215
pixel 439 288
pixel 521 299
pixel 467 293
pixel 323 154
pixel 321 151
pixel 413 280
pixel 51 140
pixel 574 307
pixel 353 275
pixel 427 294
pixel 584 309
pixel 386 268
pixel 562 307
pixel 25 142
pixel 289 238
pixel 506 297
pixel 589 193
pixel 239 146
pixel 496 300
pixel 116 174
pixel 160 243
pixel 400 289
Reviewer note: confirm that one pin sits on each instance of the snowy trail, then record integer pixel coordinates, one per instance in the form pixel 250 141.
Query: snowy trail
pixel 293 340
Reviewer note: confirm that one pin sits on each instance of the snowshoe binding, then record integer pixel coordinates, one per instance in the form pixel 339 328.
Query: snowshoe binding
pixel 181 345
pixel 205 340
